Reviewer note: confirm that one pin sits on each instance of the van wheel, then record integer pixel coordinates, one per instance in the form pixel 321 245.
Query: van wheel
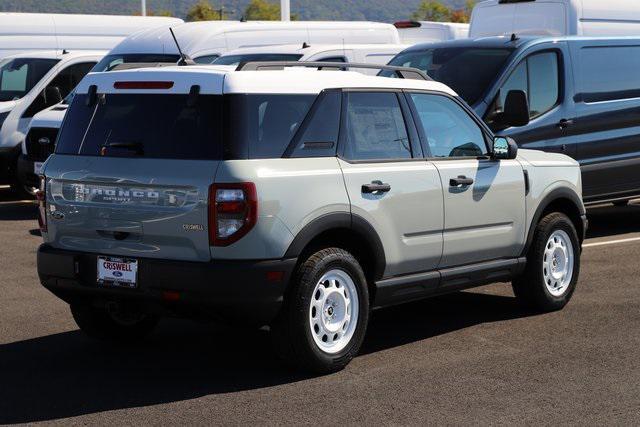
pixel 553 265
pixel 103 325
pixel 325 315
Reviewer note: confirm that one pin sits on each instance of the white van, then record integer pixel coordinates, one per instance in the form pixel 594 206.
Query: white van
pixel 205 41
pixel 362 53
pixel 22 32
pixel 413 32
pixel 556 18
pixel 29 83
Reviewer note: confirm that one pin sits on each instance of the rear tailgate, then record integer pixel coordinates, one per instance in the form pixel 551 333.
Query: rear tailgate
pixel 133 166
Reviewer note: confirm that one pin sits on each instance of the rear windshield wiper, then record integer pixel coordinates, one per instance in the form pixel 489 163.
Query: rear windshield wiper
pixel 137 147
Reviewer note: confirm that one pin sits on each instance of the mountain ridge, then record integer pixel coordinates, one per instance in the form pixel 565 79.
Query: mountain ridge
pixel 348 10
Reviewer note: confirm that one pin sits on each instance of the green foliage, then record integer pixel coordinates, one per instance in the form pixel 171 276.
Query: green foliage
pixel 348 10
pixel 432 10
pixel 262 10
pixel 204 11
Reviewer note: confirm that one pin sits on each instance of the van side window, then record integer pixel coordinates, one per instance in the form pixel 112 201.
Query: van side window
pixel 375 128
pixel 449 130
pixel 609 73
pixel 538 77
pixel 319 138
pixel 59 87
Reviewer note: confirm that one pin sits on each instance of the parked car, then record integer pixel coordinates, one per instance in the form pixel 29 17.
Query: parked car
pixel 32 32
pixel 576 96
pixel 253 197
pixel 594 18
pixel 29 83
pixel 361 53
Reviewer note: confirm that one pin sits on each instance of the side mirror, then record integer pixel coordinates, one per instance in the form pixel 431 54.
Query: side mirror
pixel 516 109
pixel 504 148
pixel 52 95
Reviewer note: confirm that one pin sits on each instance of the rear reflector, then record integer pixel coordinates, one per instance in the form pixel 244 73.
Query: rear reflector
pixel 143 85
pixel 407 24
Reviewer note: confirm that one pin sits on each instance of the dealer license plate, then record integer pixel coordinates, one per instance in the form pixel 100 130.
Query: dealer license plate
pixel 117 272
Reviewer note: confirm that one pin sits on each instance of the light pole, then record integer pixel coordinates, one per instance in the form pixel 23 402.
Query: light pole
pixel 285 10
pixel 143 7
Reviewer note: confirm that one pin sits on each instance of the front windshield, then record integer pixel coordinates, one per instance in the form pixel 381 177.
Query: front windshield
pixel 466 70
pixel 19 75
pixel 237 59
pixel 110 62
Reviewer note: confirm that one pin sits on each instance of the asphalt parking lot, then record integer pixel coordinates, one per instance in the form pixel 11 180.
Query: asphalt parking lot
pixel 473 357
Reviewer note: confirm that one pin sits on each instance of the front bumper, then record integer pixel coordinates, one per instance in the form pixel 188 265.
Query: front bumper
pixel 249 292
pixel 26 172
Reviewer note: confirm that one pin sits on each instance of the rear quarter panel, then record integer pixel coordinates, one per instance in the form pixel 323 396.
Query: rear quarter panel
pixel 291 194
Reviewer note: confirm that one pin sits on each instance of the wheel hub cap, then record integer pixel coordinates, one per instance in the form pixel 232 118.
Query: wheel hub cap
pixel 333 313
pixel 557 264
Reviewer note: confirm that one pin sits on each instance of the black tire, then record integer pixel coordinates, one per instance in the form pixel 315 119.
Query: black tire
pixel 621 203
pixel 102 325
pixel 530 288
pixel 292 333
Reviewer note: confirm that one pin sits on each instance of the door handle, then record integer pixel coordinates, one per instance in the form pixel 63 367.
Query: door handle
pixel 376 187
pixel 565 123
pixel 460 181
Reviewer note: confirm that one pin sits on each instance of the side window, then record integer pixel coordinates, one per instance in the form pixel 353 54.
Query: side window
pixel 59 87
pixel 375 128
pixel 207 59
pixel 319 137
pixel 333 59
pixel 70 77
pixel 448 128
pixel 537 76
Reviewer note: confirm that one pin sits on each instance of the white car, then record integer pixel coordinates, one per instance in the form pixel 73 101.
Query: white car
pixel 295 198
pixel 29 83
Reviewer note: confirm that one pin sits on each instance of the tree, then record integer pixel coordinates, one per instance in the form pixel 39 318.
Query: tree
pixel 262 10
pixel 432 10
pixel 463 15
pixel 204 11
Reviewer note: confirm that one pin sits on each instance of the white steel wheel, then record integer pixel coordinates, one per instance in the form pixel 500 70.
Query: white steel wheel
pixel 557 263
pixel 333 312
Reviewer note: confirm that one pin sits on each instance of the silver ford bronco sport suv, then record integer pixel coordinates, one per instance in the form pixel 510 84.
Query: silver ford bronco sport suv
pixel 295 198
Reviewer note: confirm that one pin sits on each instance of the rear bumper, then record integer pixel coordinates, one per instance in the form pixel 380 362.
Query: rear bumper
pixel 223 290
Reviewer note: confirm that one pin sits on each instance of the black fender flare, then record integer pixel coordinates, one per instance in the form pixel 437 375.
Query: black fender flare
pixel 558 193
pixel 340 220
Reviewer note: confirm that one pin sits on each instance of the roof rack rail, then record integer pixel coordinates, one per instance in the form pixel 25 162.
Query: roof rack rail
pixel 401 72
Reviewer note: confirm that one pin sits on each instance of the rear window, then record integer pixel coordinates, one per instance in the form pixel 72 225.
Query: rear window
pixel 254 126
pixel 137 125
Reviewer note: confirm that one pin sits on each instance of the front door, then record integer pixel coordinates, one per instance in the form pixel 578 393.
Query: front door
pixel 484 207
pixel 388 182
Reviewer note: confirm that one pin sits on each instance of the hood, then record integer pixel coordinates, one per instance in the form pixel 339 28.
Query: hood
pixel 50 118
pixel 7 106
pixel 544 159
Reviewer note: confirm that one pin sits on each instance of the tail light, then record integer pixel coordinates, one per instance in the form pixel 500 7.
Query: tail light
pixel 41 197
pixel 233 211
pixel 407 24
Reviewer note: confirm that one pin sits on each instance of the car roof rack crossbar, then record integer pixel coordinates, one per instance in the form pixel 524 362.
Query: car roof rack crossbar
pixel 400 72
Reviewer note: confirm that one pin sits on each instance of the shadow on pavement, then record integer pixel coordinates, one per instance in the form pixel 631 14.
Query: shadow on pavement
pixel 14 209
pixel 613 220
pixel 66 374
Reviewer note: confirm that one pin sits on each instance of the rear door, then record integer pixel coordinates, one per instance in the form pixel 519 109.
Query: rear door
pixel 484 199
pixel 132 171
pixel 388 182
